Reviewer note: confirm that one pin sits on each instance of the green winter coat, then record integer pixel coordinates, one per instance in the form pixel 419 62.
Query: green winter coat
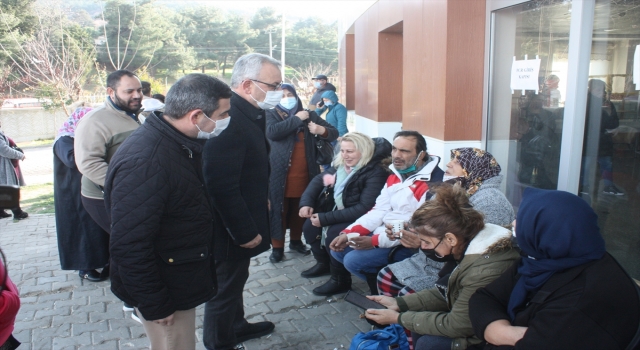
pixel 489 254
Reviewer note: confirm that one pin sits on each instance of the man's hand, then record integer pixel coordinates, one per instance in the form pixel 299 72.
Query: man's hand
pixel 316 129
pixel 253 243
pixel 361 243
pixel 167 321
pixel 305 212
pixel 388 302
pixel 339 243
pixel 315 220
pixel 410 239
pixel 382 316
pixel 388 230
pixel 501 332
pixel 303 115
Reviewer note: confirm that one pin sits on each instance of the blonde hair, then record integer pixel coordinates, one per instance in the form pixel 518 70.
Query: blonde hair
pixel 363 143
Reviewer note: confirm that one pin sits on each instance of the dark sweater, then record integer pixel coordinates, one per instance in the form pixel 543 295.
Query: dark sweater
pixel 591 306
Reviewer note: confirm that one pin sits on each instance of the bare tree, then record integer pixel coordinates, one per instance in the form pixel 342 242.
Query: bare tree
pixel 302 78
pixel 52 63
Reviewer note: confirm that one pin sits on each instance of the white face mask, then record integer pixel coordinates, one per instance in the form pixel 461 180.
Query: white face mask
pixel 220 126
pixel 448 177
pixel 271 99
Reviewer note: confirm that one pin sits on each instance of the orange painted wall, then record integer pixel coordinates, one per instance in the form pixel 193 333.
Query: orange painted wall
pixel 442 66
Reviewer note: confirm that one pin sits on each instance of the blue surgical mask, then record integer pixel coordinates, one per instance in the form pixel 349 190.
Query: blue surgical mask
pixel 288 102
pixel 316 84
pixel 412 168
pixel 328 103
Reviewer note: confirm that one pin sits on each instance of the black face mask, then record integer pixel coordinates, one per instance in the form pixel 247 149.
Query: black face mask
pixel 431 254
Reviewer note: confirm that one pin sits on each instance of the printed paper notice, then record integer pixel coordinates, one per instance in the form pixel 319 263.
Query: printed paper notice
pixel 636 68
pixel 524 75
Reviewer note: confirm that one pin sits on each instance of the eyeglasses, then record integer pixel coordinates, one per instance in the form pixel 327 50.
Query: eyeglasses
pixel 273 86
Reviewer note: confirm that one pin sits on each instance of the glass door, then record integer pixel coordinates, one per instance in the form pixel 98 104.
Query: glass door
pixel 524 128
pixel 610 171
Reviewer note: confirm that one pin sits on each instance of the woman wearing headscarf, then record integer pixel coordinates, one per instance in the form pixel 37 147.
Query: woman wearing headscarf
pixel 566 292
pixel 479 174
pixel 336 113
pixel 291 131
pixel 82 244
pixel 10 173
pixel 449 228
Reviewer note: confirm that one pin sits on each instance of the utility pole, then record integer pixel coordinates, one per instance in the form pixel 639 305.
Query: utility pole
pixel 283 36
pixel 270 31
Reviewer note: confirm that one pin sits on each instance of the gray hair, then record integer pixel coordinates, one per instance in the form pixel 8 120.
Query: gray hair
pixel 195 91
pixel 249 66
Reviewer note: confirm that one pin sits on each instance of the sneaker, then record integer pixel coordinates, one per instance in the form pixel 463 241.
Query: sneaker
pixel 4 214
pixel 127 307
pixel 612 189
pixel 134 316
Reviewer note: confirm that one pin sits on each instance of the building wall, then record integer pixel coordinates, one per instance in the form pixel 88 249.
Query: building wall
pixel 419 65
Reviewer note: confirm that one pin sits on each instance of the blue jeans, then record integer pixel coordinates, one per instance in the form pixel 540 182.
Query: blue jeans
pixel 370 260
pixel 430 342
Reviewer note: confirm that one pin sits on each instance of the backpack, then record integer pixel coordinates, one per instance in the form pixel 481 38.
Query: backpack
pixel 391 338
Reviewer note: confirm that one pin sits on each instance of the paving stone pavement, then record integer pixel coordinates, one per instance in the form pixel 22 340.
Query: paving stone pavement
pixel 59 311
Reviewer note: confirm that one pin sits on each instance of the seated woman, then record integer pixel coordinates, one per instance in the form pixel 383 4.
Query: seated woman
pixel 566 292
pixel 450 229
pixel 291 132
pixel 479 174
pixel 357 176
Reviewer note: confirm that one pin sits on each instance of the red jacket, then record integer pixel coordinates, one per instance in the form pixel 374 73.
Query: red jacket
pixel 9 306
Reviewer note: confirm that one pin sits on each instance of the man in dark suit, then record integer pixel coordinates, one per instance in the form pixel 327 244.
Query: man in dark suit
pixel 236 171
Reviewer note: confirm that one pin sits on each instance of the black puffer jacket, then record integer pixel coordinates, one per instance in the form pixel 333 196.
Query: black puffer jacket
pixel 359 194
pixel 282 137
pixel 236 170
pixel 161 221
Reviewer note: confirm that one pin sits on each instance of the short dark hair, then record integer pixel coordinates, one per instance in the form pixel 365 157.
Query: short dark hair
pixel 195 91
pixel 146 88
pixel 421 143
pixel 159 97
pixel 113 79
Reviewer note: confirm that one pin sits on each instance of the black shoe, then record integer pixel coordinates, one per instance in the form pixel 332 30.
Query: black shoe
pixel 612 189
pixel 332 287
pixel 254 330
pixel 319 269
pixel 91 275
pixel 277 255
pixel 340 282
pixel 4 214
pixel 299 247
pixel 22 215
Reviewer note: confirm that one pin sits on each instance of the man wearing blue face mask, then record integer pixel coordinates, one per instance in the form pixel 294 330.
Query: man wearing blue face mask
pixel 161 232
pixel 321 85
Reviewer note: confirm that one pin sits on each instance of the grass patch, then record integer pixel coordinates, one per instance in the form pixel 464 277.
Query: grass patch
pixel 35 143
pixel 37 199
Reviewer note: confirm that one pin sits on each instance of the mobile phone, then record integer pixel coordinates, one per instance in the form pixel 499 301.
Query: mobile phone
pixel 361 301
pixel 321 103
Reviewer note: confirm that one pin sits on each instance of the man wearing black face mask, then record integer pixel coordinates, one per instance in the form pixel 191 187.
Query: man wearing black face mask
pixel 98 136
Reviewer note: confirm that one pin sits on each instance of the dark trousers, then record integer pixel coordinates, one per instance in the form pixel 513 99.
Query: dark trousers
pixel 98 212
pixel 313 235
pixel 224 314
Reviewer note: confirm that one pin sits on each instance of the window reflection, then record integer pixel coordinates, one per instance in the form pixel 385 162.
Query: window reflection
pixel 610 173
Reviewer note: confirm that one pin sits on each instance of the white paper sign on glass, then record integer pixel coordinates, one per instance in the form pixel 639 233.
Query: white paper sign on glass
pixel 524 74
